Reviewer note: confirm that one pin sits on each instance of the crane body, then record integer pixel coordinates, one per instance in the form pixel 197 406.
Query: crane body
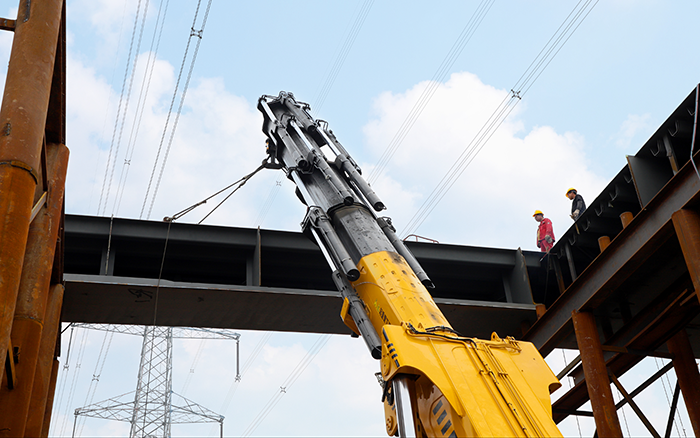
pixel 436 382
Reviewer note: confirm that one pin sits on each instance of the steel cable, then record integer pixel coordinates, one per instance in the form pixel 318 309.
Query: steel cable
pixel 342 55
pixel 109 100
pixel 172 104
pixel 110 163
pixel 293 377
pixel 99 367
pixel 433 85
pixel 199 34
pixel 269 201
pixel 501 113
pixel 141 105
pixel 248 363
pixel 76 373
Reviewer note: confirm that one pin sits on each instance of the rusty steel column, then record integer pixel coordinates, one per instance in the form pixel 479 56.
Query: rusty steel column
pixel 626 218
pixel 596 373
pixel 687 226
pixel 33 295
pixel 49 400
pixel 22 121
pixel 45 363
pixel 688 375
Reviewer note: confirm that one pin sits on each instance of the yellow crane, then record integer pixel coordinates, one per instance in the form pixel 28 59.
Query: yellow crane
pixel 436 382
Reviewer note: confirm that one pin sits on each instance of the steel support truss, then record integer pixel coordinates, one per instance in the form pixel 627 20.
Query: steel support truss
pixel 153 407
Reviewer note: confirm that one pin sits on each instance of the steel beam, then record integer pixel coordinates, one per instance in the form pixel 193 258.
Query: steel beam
pixel 688 375
pixel 628 398
pixel 119 300
pixel 687 226
pixel 597 381
pixel 22 122
pixel 33 294
pixel 45 363
pixel 626 253
pixel 49 400
pixel 672 413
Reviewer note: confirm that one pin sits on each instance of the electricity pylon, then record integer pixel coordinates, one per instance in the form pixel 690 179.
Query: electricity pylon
pixel 153 407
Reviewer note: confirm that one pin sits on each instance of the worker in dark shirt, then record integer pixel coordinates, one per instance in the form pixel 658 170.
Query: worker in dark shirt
pixel 578 206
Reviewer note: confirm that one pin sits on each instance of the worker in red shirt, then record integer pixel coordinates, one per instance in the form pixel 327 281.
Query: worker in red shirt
pixel 545 232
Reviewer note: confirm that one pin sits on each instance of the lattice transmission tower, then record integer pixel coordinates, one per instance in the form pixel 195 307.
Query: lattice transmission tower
pixel 153 407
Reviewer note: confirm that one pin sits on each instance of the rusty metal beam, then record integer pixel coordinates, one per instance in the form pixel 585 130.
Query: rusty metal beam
pixel 688 375
pixel 10 372
pixel 650 229
pixel 672 413
pixel 687 226
pixel 22 122
pixel 635 407
pixel 45 362
pixel 646 384
pixel 33 295
pixel 669 320
pixel 49 400
pixel 597 381
pixel 6 24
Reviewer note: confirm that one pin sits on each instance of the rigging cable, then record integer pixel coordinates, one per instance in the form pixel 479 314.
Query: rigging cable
pixel 194 33
pixel 170 221
pixel 522 86
pixel 433 85
pixel 110 164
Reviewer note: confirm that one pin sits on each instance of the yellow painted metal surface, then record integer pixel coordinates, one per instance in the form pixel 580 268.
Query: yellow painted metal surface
pixel 461 386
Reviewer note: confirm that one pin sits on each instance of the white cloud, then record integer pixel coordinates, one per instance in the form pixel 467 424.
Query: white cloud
pixel 515 173
pixel 631 127
pixel 217 141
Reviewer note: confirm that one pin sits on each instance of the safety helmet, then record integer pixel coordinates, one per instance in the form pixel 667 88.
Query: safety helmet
pixel 571 189
pixel 537 212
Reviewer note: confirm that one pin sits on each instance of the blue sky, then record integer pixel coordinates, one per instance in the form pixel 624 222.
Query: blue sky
pixel 620 75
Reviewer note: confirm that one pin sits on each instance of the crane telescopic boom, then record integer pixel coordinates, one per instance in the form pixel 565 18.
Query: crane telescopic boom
pixel 437 383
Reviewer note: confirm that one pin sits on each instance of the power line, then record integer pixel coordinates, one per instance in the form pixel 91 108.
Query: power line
pixel 293 377
pixel 195 361
pixel 71 391
pixel 99 367
pixel 141 105
pixel 193 33
pixel 517 92
pixel 342 55
pixel 111 164
pixel 433 85
pixel 109 99
pixel 269 201
pixel 234 385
